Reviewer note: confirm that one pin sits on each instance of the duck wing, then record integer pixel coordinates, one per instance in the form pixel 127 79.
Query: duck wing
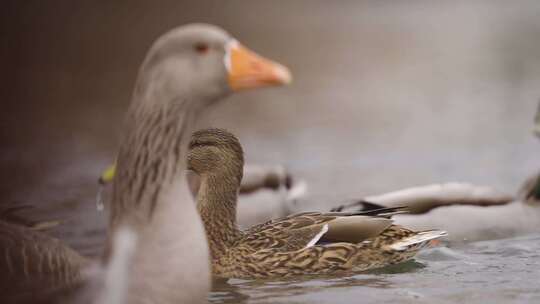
pixel 35 261
pixel 13 213
pixel 425 198
pixel 302 230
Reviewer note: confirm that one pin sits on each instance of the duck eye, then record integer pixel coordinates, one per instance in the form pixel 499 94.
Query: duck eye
pixel 201 48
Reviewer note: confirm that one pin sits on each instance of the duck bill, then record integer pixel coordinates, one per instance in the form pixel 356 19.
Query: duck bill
pixel 249 70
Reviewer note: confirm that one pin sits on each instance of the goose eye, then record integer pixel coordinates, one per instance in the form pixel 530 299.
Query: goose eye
pixel 201 48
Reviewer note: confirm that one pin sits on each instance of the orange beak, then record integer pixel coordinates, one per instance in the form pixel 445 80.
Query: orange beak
pixel 248 70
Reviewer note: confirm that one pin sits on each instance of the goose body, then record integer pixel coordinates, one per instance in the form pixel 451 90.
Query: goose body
pixel 156 250
pixel 305 243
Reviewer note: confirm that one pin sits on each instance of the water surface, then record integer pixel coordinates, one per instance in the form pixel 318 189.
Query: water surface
pixel 499 271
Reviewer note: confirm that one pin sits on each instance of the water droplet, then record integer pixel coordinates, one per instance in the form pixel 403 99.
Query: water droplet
pixel 100 205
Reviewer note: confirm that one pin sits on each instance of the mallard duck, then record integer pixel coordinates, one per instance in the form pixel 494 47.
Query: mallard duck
pixel 266 192
pixel 423 199
pixel 25 267
pixel 483 212
pixel 520 216
pixel 304 243
pixel 156 250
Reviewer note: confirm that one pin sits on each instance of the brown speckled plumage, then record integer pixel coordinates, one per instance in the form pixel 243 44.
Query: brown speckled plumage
pixel 294 245
pixel 31 261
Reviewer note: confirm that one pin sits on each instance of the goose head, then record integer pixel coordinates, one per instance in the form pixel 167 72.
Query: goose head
pixel 204 63
pixel 186 70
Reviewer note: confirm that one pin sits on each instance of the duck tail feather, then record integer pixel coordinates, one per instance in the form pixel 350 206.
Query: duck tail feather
pixel 356 204
pixel 364 207
pixel 369 206
pixel 387 212
pixel 417 241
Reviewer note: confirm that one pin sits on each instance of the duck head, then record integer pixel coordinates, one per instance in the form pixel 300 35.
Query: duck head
pixel 216 153
pixel 216 156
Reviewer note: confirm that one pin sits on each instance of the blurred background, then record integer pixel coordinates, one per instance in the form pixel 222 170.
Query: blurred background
pixel 386 94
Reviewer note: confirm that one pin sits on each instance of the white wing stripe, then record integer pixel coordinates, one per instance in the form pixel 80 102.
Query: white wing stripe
pixel 318 236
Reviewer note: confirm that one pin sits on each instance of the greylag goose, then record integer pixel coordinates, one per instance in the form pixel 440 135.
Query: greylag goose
pixel 156 250
pixel 306 243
